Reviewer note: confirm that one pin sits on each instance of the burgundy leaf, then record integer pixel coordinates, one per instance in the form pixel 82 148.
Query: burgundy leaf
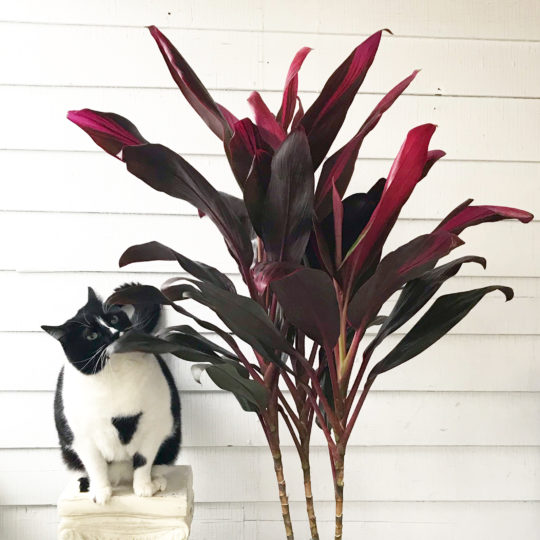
pixel 264 273
pixel 255 188
pixel 190 85
pixel 288 206
pixel 441 317
pixel 110 131
pixel 403 177
pixel 466 216
pixel 286 111
pixel 269 128
pixel 338 168
pixel 166 171
pixel 298 116
pixel 338 224
pixel 325 117
pixel 154 251
pixel 404 264
pixel 432 157
pixel 309 302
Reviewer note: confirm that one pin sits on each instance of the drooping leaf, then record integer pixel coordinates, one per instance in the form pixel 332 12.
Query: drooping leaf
pixel 441 317
pixel 403 177
pixel 309 302
pixel 324 118
pixel 404 264
pixel 134 341
pixel 466 216
pixel 154 251
pixel 288 207
pixel 432 157
pixel 286 111
pixel 164 170
pixel 110 131
pixel 190 85
pixel 415 295
pixel 270 129
pixel 338 168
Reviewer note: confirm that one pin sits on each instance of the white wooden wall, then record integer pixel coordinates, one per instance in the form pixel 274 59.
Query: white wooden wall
pixel 449 445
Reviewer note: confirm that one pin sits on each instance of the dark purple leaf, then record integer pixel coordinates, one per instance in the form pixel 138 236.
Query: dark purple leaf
pixel 308 300
pixel 264 273
pixel 110 131
pixel 255 188
pixel 325 117
pixel 442 316
pixel 192 88
pixel 338 168
pixel 286 111
pixel 288 207
pixel 404 264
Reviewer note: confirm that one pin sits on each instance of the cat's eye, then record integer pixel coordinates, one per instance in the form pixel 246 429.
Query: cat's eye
pixel 92 336
pixel 115 319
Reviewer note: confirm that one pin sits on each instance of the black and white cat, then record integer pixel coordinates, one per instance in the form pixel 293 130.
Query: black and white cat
pixel 117 415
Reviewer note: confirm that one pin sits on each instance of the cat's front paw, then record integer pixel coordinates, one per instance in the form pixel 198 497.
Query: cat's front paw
pixel 148 488
pixel 101 495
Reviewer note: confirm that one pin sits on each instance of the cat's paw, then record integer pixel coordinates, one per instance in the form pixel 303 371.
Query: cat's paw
pixel 148 488
pixel 101 495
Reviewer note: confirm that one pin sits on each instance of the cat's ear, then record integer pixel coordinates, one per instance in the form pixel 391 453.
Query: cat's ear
pixel 92 296
pixel 57 332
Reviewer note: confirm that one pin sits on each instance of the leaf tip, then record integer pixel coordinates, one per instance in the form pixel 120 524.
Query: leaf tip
pixel 387 30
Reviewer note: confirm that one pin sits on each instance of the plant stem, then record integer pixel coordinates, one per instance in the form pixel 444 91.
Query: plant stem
pixel 285 512
pixel 309 500
pixel 338 488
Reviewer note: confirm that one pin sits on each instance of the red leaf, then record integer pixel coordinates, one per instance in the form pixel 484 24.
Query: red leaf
pixel 403 177
pixel 298 116
pixel 190 85
pixel 269 128
pixel 324 118
pixel 466 216
pixel 110 131
pixel 339 167
pixel 286 111
pixel 432 157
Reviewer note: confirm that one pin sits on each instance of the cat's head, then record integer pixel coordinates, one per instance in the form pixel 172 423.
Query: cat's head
pixel 86 337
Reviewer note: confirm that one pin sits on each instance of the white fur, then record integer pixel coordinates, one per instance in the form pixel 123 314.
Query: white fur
pixel 129 383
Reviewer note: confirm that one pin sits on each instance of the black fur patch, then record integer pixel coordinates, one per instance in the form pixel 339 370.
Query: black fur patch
pixel 126 426
pixel 168 451
pixel 84 484
pixel 138 460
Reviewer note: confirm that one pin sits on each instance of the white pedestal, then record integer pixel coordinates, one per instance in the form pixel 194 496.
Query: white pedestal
pixel 165 516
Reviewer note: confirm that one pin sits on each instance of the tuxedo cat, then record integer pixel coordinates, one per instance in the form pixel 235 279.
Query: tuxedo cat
pixel 117 415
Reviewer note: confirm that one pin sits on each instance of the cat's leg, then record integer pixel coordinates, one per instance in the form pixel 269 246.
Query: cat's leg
pixel 143 483
pixel 97 469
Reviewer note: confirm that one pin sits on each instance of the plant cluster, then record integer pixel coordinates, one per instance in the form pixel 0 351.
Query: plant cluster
pixel 311 258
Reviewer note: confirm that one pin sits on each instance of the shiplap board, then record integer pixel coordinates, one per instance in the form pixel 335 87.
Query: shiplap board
pixel 375 520
pixel 508 69
pixel 94 242
pixel 470 128
pixel 93 182
pixel 387 419
pixel 482 19
pixel 380 473
pixel 458 362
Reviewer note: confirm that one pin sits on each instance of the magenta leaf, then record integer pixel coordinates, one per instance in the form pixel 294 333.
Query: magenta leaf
pixel 286 111
pixel 441 317
pixel 110 131
pixel 269 128
pixel 338 168
pixel 193 89
pixel 404 174
pixel 398 267
pixel 309 302
pixel 325 117
pixel 166 171
pixel 466 216
pixel 288 207
pixel 432 157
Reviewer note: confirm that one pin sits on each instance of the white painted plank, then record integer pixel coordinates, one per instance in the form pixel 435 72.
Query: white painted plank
pixel 373 474
pixel 488 363
pixel 448 67
pixel 470 128
pixel 377 521
pixel 95 242
pixel 387 419
pixel 518 20
pixel 93 182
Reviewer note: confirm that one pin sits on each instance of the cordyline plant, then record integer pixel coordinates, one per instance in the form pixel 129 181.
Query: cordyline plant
pixel 310 256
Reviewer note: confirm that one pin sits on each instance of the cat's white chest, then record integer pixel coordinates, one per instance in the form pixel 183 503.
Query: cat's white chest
pixel 128 385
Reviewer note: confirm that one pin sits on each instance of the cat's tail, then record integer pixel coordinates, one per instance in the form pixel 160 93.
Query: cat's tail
pixel 145 317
